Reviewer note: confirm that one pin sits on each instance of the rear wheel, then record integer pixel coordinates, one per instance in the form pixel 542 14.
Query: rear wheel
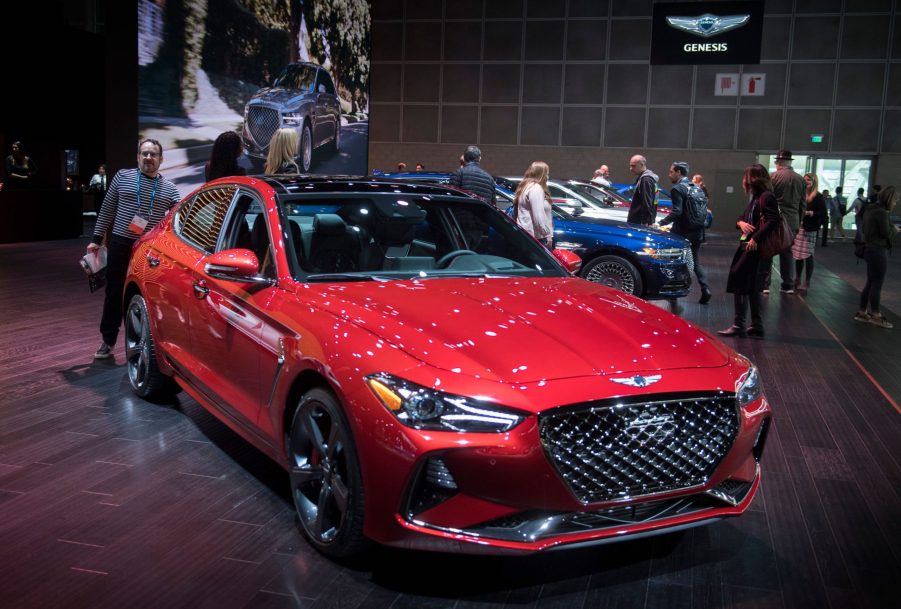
pixel 325 476
pixel 335 144
pixel 615 272
pixel 306 149
pixel 140 353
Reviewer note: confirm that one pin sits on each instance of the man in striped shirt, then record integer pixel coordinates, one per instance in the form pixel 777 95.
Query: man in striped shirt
pixel 136 201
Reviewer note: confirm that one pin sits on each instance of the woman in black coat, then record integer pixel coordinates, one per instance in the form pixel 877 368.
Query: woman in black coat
pixel 748 270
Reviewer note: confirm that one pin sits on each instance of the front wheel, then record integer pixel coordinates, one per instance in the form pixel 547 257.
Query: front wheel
pixel 615 272
pixel 140 353
pixel 325 476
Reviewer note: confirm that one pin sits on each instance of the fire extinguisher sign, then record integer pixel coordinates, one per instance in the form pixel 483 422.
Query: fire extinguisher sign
pixel 753 85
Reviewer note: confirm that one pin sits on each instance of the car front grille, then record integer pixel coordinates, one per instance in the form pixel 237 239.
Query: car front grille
pixel 262 123
pixel 614 450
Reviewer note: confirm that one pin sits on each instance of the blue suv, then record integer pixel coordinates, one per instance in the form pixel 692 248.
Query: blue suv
pixel 634 259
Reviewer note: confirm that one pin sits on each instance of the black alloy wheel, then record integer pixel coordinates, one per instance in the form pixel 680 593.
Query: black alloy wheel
pixel 325 476
pixel 140 353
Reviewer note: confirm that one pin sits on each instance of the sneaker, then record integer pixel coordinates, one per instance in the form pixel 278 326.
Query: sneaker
pixel 766 290
pixel 104 351
pixel 787 290
pixel 861 316
pixel 878 319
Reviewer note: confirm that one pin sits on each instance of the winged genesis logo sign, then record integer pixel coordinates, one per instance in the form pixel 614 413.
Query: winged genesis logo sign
pixel 638 380
pixel 708 25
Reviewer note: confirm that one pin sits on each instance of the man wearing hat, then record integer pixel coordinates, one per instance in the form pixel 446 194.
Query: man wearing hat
pixel 789 188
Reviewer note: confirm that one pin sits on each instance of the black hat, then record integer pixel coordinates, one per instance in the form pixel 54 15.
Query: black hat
pixel 784 155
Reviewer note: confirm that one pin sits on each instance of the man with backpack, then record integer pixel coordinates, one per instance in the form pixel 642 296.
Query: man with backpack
pixel 688 217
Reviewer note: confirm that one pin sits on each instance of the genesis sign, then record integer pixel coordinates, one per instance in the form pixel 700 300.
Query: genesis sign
pixel 707 33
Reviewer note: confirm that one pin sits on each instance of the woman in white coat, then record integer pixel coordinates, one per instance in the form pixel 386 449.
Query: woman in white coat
pixel 532 204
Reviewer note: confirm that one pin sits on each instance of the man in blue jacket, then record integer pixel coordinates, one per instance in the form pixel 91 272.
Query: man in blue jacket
pixel 473 178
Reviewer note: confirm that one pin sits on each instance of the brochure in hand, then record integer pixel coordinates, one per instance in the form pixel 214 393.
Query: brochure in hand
pixel 94 265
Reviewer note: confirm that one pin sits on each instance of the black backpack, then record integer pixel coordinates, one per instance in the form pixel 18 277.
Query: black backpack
pixel 695 208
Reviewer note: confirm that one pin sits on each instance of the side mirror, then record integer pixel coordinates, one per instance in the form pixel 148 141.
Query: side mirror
pixel 237 264
pixel 570 260
pixel 321 88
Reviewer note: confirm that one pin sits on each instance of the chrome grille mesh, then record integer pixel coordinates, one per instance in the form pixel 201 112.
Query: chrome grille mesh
pixel 262 123
pixel 607 451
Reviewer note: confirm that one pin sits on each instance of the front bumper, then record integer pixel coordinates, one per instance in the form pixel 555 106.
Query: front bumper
pixel 498 494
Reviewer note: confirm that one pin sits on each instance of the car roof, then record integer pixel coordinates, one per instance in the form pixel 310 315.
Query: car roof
pixel 302 184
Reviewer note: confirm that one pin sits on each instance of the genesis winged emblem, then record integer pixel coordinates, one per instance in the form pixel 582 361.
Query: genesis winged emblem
pixel 638 380
pixel 708 25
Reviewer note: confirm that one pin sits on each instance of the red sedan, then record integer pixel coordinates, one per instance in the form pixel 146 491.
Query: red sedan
pixel 432 377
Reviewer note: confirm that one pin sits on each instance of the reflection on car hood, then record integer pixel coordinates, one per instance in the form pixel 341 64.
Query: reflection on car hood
pixel 608 225
pixel 521 330
pixel 284 97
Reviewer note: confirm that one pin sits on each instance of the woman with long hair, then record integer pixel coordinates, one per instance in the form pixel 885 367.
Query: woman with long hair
pixel 532 203
pixel 282 152
pixel 19 168
pixel 804 245
pixel 224 157
pixel 878 233
pixel 748 270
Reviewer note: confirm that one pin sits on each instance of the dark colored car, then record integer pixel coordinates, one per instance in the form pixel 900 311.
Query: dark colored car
pixel 433 378
pixel 637 260
pixel 302 97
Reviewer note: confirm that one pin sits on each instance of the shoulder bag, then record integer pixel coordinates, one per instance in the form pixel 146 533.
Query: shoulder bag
pixel 778 240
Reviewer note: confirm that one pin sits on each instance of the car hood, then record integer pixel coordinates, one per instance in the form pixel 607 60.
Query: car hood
pixel 281 96
pixel 608 226
pixel 520 330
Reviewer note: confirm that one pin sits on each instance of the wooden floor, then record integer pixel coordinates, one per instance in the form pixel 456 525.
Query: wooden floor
pixel 107 501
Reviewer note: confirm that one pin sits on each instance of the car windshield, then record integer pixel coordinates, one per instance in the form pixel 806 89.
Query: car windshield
pixel 598 195
pixel 401 236
pixel 296 77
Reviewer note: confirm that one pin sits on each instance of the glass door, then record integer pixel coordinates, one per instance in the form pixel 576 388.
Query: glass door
pixel 850 174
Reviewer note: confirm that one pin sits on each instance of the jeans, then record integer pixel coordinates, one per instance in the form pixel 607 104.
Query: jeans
pixel 700 273
pixel 786 268
pixel 877 266
pixel 117 258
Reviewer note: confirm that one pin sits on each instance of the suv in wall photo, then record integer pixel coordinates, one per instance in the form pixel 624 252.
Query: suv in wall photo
pixel 302 97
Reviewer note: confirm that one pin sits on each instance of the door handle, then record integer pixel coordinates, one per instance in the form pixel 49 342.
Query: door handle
pixel 200 291
pixel 152 261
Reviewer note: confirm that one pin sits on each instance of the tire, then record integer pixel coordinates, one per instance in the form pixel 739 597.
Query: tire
pixel 615 272
pixel 334 145
pixel 325 476
pixel 140 353
pixel 306 149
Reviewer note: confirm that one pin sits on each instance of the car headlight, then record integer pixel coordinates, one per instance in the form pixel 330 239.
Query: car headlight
pixel 423 408
pixel 663 253
pixel 748 387
pixel 293 117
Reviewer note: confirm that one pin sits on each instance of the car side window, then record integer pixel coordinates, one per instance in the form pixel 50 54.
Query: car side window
pixel 326 80
pixel 246 229
pixel 200 221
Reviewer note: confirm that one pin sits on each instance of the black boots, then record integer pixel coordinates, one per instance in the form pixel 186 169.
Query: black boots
pixel 705 296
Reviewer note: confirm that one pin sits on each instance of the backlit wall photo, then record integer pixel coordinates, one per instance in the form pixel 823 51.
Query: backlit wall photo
pixel 254 66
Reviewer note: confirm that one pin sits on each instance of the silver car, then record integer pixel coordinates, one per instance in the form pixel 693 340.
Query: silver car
pixel 302 97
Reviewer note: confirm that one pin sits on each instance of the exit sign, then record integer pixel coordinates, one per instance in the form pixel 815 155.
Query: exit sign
pixel 816 138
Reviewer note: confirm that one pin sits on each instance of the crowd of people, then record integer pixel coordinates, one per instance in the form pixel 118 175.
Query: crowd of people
pixel 137 199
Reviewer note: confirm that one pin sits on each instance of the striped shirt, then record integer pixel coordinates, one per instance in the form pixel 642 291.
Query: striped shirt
pixel 121 203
